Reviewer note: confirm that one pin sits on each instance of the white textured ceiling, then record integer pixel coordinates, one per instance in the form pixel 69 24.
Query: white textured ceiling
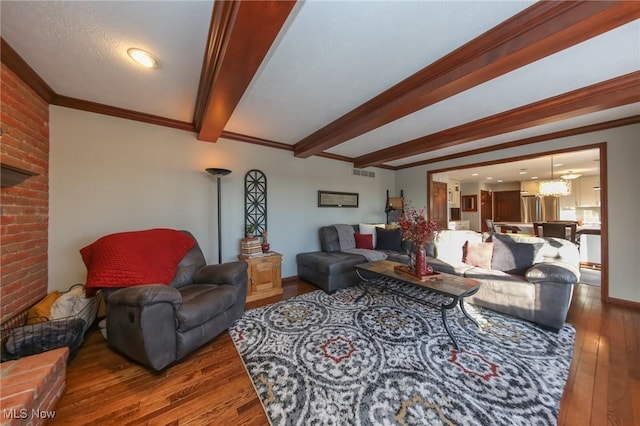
pixel 80 49
pixel 329 57
pixel 335 56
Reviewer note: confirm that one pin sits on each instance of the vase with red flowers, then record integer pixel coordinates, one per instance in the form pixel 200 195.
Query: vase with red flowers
pixel 420 231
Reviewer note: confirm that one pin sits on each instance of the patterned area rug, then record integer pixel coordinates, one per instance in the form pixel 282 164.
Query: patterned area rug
pixel 321 359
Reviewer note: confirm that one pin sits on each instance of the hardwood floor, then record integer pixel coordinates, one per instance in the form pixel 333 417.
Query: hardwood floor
pixel 211 387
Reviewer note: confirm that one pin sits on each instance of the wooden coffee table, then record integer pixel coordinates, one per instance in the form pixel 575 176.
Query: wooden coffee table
pixel 445 291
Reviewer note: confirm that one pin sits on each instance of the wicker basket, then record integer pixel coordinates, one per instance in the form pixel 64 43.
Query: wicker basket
pixel 20 339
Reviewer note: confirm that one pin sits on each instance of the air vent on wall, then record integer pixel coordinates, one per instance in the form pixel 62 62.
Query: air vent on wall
pixel 365 173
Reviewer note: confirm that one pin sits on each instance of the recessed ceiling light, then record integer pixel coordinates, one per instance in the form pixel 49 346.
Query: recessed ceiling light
pixel 474 174
pixel 143 58
pixel 499 180
pixel 558 164
pixel 522 172
pixel 489 178
pixel 534 177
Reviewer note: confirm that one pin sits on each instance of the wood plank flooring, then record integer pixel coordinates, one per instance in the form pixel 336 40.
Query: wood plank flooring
pixel 211 387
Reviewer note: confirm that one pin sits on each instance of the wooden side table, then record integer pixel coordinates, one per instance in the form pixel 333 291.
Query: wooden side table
pixel 264 275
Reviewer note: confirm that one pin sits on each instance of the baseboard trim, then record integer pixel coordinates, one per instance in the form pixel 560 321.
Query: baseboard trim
pixel 625 303
pixel 290 279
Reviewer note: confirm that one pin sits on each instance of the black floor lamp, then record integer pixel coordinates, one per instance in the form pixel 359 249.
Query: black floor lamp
pixel 218 173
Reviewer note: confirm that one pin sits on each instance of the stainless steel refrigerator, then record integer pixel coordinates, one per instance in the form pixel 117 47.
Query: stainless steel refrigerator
pixel 539 209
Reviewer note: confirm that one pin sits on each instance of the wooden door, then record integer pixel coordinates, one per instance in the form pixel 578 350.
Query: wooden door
pixel 486 209
pixel 507 206
pixel 438 204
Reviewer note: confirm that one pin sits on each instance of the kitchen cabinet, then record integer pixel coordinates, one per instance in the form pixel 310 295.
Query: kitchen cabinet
pixel 590 250
pixel 264 276
pixel 582 193
pixel 453 189
pixel 506 206
pixel 570 201
pixel 438 210
pixel 587 196
pixel 529 188
pixel 458 224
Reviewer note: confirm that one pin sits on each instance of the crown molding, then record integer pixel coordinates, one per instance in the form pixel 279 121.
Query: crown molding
pixel 279 145
pixel 89 106
pixel 256 141
pixel 19 66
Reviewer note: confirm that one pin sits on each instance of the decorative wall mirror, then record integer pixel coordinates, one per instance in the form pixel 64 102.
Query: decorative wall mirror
pixel 469 203
pixel 255 202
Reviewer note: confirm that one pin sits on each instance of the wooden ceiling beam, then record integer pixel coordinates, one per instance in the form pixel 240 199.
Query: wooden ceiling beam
pixel 538 31
pixel 612 93
pixel 240 36
pixel 626 121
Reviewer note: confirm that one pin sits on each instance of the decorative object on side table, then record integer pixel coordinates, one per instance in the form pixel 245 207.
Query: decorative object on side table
pixel 265 243
pixel 250 246
pixel 393 207
pixel 410 272
pixel 420 231
pixel 250 230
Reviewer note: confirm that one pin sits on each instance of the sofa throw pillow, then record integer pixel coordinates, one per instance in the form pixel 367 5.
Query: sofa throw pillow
pixel 41 311
pixel 478 254
pixel 134 258
pixel 512 257
pixel 449 244
pixel 370 228
pixel 329 239
pixel 70 304
pixel 364 241
pixel 389 239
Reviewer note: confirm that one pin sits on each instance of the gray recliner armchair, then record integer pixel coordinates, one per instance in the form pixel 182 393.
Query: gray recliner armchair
pixel 157 325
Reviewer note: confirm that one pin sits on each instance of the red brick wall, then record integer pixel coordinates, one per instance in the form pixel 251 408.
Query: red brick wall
pixel 24 117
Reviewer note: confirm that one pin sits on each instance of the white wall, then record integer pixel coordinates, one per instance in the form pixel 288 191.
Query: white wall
pixel 112 175
pixel 623 175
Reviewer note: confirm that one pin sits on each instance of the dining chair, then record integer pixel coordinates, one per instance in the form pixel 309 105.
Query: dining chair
pixel 555 229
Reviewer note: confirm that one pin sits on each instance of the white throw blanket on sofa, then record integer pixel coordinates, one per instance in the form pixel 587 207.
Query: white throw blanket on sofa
pixel 370 255
pixel 347 243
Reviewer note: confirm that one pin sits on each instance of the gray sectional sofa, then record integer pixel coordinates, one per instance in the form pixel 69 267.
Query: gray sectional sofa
pixel 330 269
pixel 528 277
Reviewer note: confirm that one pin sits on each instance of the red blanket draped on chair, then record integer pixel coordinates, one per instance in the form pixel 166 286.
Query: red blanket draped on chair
pixel 134 258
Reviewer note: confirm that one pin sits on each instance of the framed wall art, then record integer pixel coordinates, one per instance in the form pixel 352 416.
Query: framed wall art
pixel 337 199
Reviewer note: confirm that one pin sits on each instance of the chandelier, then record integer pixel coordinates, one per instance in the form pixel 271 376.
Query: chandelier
pixel 554 188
